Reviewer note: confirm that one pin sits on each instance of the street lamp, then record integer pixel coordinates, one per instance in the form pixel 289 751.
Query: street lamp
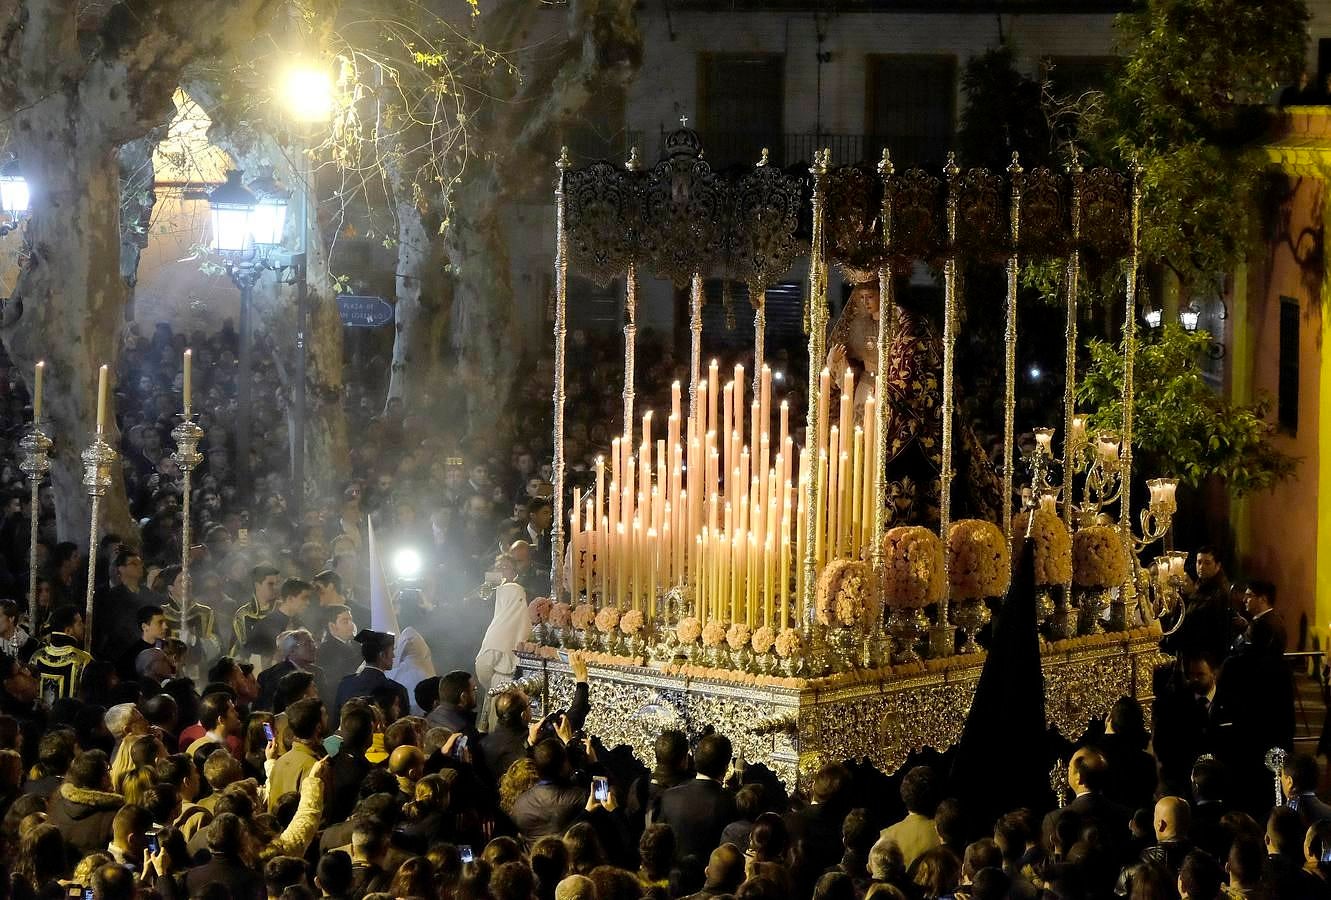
pixel 15 198
pixel 245 229
pixel 1190 318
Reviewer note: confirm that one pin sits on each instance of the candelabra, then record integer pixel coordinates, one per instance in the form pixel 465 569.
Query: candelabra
pixel 187 436
pixel 36 447
pixel 97 461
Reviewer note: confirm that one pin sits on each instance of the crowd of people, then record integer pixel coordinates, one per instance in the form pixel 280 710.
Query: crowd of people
pixel 272 745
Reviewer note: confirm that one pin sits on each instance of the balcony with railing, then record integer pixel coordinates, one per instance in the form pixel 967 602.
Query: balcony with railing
pixel 723 149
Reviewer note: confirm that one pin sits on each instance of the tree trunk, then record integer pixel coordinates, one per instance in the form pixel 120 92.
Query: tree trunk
pixel 417 312
pixel 73 295
pixel 137 200
pixel 477 248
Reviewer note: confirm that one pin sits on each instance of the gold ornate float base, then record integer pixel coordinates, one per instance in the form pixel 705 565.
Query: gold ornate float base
pixel 793 731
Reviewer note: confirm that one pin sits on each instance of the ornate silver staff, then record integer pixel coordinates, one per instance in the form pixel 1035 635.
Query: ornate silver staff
pixel 187 436
pixel 36 447
pixel 97 460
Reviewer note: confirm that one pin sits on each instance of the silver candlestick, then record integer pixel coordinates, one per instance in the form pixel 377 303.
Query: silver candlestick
pixel 36 447
pixel 187 436
pixel 97 462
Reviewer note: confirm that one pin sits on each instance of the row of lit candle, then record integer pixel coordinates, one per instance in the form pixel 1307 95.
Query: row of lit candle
pixel 703 506
pixel 1163 491
pixel 103 389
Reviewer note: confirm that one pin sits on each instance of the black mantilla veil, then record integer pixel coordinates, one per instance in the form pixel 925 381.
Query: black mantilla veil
pixel 1003 759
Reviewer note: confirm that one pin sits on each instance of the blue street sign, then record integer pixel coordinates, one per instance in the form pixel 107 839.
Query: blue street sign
pixel 364 312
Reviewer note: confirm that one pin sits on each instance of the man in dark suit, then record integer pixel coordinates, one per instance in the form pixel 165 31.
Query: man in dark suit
pixel 816 829
pixel 1298 779
pixel 556 801
pixel 699 810
pixel 226 840
pixel 1248 704
pixel 377 652
pixel 298 653
pixel 1088 773
pixel 339 654
pixel 1265 631
pixel 1208 615
pixel 114 608
pixel 1209 807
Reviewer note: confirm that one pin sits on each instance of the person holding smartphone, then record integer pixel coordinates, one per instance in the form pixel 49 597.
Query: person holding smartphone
pixel 556 801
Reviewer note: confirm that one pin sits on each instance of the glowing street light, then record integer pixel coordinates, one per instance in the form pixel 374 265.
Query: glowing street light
pixel 1190 318
pixel 269 217
pixel 307 93
pixel 232 206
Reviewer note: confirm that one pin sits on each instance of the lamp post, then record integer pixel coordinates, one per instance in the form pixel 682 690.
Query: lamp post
pixel 309 98
pixel 245 229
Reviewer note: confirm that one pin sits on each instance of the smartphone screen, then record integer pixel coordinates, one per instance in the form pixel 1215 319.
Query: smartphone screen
pixel 464 853
pixel 87 893
pixel 461 746
pixel 268 730
pixel 74 892
pixel 563 656
pixel 154 845
pixel 601 789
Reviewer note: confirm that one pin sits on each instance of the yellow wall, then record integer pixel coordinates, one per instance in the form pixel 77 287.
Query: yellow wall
pixel 1284 526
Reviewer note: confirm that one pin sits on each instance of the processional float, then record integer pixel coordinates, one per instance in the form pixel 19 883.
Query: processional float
pixel 763 587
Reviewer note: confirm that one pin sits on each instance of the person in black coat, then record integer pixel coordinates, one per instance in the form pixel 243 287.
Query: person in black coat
pixel 226 842
pixel 339 654
pixel 815 830
pixel 1298 779
pixel 298 655
pixel 699 810
pixel 1132 771
pixel 556 801
pixel 377 652
pixel 1088 774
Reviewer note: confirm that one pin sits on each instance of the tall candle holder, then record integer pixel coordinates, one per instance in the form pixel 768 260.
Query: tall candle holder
pixel 187 436
pixel 36 447
pixel 97 461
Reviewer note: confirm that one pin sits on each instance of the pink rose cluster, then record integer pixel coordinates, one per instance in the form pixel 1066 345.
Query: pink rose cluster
pixel 631 622
pixel 713 633
pixel 789 643
pixel 763 639
pixel 583 616
pixel 607 619
pixel 561 614
pixel 539 610
pixel 688 630
pixel 738 636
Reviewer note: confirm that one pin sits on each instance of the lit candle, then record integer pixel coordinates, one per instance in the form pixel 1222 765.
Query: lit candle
pixel 1107 447
pixel 857 491
pixel 575 527
pixel 189 381
pixel 675 400
pixel 738 399
pixel 847 405
pixel 1077 433
pixel 819 534
pixel 615 460
pixel 824 398
pixel 1177 561
pixel 102 374
pixel 831 491
pixel 37 382
pixel 1044 441
pixel 600 490
pixel 765 397
pixel 843 502
pixel 783 431
pixel 713 393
